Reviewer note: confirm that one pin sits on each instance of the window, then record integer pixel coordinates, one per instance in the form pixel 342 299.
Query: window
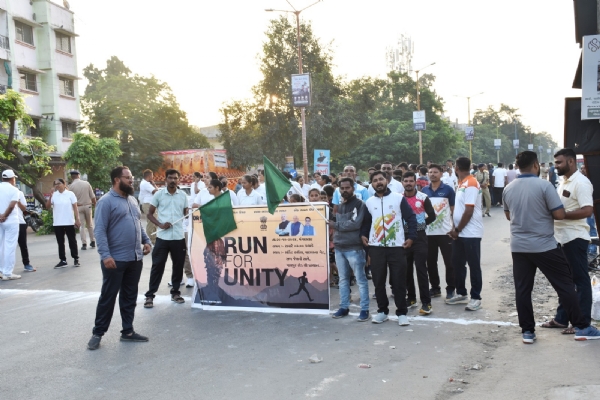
pixel 63 42
pixel 34 130
pixel 28 81
pixel 24 32
pixel 68 129
pixel 66 87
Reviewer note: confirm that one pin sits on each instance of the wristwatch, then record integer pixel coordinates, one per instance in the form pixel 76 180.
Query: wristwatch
pixel 457 230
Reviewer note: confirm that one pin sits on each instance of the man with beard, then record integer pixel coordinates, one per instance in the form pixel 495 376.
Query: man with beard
pixel 349 252
pixel 572 233
pixel 172 205
pixel 360 191
pixel 383 232
pixel 119 236
pixel 533 208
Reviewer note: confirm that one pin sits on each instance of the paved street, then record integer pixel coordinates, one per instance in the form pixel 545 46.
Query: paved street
pixel 47 318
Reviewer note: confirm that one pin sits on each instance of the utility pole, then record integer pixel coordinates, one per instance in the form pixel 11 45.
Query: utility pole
pixel 419 109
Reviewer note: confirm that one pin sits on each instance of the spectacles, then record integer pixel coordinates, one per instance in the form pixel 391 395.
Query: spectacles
pixel 127 177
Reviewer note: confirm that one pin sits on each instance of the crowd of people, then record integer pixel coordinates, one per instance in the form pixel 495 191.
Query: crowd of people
pixel 383 229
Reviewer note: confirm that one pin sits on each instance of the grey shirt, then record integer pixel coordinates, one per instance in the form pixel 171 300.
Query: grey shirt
pixel 118 229
pixel 530 203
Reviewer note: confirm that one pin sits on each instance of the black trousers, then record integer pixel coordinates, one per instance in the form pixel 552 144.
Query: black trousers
pixel 395 258
pixel 60 232
pixel 498 194
pixel 23 243
pixel 444 244
pixel 122 281
pixel 161 251
pixel 555 267
pixel 417 255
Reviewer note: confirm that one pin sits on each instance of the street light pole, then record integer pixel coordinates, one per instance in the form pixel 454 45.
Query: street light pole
pixel 516 150
pixel 419 109
pixel 302 109
pixel 469 121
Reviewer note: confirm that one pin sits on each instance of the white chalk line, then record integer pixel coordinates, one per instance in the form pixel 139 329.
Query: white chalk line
pixel 323 385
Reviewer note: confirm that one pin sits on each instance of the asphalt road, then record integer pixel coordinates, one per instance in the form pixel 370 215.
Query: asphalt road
pixel 47 317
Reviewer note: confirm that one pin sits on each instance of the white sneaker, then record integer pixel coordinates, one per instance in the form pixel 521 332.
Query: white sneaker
pixel 379 318
pixel 11 277
pixel 473 305
pixel 189 283
pixel 403 320
pixel 171 283
pixel 458 299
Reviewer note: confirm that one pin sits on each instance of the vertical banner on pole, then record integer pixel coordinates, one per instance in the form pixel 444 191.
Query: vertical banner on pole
pixel 516 144
pixel 469 133
pixel 590 78
pixel 497 144
pixel 419 120
pixel 322 161
pixel 530 146
pixel 301 90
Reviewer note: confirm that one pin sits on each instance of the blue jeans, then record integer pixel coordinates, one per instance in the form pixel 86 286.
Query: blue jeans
pixel 348 261
pixel 575 252
pixel 467 250
pixel 592 248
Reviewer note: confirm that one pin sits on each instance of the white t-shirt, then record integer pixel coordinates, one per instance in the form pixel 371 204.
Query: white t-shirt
pixel 234 199
pixel 262 190
pixel 499 175
pixel 253 199
pixel 393 185
pixel 469 193
pixel 292 191
pixel 8 194
pixel 62 205
pixel 19 211
pixel 450 180
pixel 305 189
pixel 316 186
pixel 146 190
pixel 203 197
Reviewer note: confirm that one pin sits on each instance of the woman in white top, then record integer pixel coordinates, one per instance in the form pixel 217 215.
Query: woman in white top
pixel 247 196
pixel 305 188
pixel 65 220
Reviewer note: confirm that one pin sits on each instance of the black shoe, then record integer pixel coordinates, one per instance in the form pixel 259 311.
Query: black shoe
pixel 93 245
pixel 84 247
pixel 94 342
pixel 488 214
pixel 369 276
pixel 61 264
pixel 410 303
pixel 76 263
pixel 435 292
pixel 134 337
pixel 353 281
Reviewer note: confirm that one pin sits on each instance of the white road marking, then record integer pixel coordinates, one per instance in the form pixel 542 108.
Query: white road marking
pixel 322 386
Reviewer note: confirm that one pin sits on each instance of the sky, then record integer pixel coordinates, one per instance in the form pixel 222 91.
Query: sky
pixel 521 53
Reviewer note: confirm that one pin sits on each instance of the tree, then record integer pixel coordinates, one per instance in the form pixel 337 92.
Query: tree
pixel 84 154
pixel 142 113
pixel 29 158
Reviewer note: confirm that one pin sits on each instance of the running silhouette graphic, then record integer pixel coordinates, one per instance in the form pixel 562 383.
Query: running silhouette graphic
pixel 303 281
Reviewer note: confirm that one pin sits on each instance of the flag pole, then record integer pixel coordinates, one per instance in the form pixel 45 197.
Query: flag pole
pixel 173 223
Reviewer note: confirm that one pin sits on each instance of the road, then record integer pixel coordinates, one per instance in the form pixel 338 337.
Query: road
pixel 47 317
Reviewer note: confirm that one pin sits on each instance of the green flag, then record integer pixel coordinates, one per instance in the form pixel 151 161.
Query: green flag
pixel 276 184
pixel 217 217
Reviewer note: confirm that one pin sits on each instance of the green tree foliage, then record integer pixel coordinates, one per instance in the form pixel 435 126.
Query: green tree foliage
pixel 84 153
pixel 29 158
pixel 141 112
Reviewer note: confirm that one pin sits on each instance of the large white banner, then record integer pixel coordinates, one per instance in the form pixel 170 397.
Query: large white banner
pixel 590 78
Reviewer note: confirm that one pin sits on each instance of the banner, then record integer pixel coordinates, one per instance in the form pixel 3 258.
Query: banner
pixel 270 263
pixel 419 120
pixel 590 78
pixel 200 160
pixel 497 144
pixel 469 133
pixel 322 161
pixel 530 146
pixel 515 143
pixel 301 90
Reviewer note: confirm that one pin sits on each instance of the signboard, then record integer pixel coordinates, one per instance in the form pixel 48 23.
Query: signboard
pixel 549 151
pixel 497 144
pixel 289 163
pixel 590 78
pixel 469 133
pixel 515 143
pixel 419 120
pixel 322 161
pixel 530 146
pixel 301 90
pixel 270 263
pixel 540 148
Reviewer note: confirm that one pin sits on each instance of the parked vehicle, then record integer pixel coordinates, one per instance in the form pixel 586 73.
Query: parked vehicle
pixel 33 219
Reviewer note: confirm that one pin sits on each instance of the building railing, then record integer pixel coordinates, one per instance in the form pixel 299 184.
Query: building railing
pixel 4 43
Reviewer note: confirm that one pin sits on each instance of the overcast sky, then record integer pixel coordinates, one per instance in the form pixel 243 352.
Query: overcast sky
pixel 522 53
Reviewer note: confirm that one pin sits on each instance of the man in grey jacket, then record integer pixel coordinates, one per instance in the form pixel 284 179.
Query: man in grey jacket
pixel 349 252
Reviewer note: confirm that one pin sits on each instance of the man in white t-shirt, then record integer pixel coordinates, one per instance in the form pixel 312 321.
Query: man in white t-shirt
pixel 393 184
pixel 198 184
pixel 467 234
pixel 500 179
pixel 147 190
pixel 9 225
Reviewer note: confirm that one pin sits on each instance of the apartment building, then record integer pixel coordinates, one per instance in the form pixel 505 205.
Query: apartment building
pixel 38 53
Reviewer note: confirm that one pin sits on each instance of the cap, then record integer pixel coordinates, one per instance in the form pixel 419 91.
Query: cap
pixel 9 173
pixel 74 172
pixel 481 165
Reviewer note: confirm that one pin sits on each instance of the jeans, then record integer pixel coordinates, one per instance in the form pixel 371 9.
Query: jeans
pixel 59 232
pixel 417 255
pixel 348 261
pixel 467 250
pixel 576 253
pixel 395 259
pixel 123 281
pixel 554 266
pixel 592 248
pixel 23 243
pixel 444 243
pixel 161 251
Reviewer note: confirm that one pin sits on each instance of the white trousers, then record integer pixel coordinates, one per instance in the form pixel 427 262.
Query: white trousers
pixel 9 235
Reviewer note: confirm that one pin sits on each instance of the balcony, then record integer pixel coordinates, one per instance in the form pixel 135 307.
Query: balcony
pixel 4 43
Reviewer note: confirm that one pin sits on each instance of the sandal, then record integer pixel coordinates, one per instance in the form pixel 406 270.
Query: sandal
pixel 569 331
pixel 177 299
pixel 149 303
pixel 553 324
